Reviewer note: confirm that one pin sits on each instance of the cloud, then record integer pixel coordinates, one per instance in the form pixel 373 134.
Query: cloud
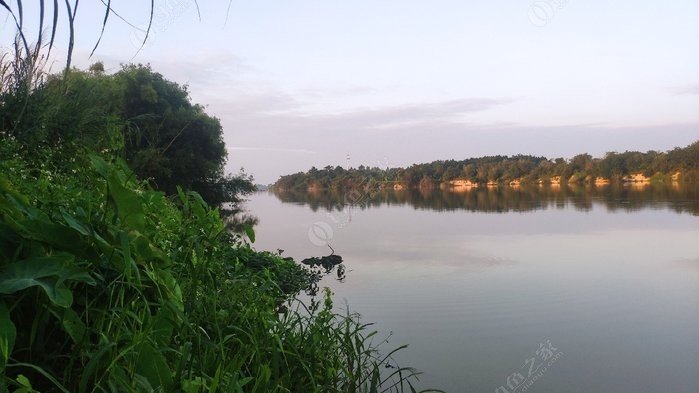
pixel 271 149
pixel 414 113
pixel 686 90
pixel 205 69
pixel 291 114
pixel 337 92
pixel 231 88
pixel 264 121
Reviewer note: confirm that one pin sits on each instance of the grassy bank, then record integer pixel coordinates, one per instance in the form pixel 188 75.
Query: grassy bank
pixel 109 285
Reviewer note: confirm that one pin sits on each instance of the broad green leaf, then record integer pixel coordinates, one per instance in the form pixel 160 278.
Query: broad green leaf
pixel 155 200
pixel 6 188
pixel 163 326
pixel 25 385
pixel 146 251
pixel 58 294
pixel 92 366
pixel 75 224
pixel 18 275
pixel 77 274
pixel 49 273
pixel 168 285
pixel 250 232
pixel 198 198
pixel 100 165
pixel 58 236
pixel 8 333
pixel 152 365
pixel 128 203
pixel 72 324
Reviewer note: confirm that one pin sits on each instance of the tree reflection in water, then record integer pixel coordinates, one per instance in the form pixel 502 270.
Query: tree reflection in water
pixel 682 198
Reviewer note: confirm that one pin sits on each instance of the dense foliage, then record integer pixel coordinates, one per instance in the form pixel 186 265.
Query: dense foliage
pixel 504 169
pixel 109 285
pixel 135 113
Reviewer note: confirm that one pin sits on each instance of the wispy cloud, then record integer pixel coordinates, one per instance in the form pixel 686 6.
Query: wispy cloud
pixel 290 113
pixel 337 92
pixel 271 149
pixel 686 90
pixel 415 113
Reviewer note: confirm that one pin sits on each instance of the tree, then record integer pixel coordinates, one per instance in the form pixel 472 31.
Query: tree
pixel 450 174
pixel 529 169
pixel 581 163
pixel 167 138
pixel 72 106
pixel 138 114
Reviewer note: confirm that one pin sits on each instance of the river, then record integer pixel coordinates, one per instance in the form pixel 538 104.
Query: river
pixel 513 289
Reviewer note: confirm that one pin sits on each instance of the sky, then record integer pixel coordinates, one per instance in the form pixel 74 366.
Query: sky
pixel 394 82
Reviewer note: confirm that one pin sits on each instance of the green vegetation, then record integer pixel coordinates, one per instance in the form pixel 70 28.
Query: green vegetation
pixel 108 285
pixel 504 169
pixel 117 274
pixel 136 114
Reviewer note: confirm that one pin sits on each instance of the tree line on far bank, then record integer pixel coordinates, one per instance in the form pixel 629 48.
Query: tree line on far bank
pixel 654 165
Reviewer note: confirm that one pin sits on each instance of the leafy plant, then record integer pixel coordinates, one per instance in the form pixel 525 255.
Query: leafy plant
pixel 108 285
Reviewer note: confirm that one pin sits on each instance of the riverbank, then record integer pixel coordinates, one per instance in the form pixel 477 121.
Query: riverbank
pixel 107 284
pixel 635 179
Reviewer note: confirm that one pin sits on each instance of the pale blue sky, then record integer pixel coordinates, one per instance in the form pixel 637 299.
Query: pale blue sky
pixel 302 83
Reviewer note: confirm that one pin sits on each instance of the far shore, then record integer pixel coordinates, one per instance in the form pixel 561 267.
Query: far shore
pixel 635 180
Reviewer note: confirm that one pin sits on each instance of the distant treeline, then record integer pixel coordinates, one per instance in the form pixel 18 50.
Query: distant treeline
pixel 524 169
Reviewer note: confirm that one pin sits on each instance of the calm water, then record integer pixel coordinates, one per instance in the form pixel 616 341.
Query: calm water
pixel 548 290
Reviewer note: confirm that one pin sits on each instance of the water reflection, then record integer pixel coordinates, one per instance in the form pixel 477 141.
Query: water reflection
pixel 609 275
pixel 681 198
pixel 237 221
